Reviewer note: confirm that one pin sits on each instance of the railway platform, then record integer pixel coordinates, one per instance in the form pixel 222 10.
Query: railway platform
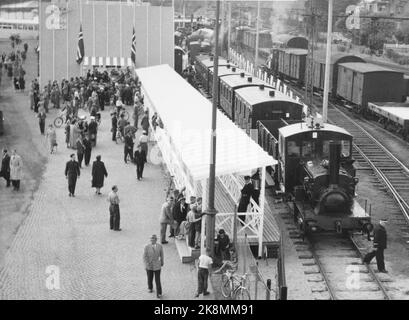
pixel 64 248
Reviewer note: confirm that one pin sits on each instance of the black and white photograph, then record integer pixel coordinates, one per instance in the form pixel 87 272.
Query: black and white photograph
pixel 192 154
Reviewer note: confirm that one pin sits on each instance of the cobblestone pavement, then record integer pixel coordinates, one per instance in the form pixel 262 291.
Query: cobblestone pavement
pixel 73 235
pixel 22 133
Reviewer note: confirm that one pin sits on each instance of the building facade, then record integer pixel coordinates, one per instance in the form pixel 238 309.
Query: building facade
pixel 107 32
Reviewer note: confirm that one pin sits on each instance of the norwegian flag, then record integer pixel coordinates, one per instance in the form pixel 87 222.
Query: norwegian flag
pixel 80 48
pixel 133 48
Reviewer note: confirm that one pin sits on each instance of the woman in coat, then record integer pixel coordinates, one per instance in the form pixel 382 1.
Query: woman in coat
pixel 16 170
pixel 99 172
pixel 51 138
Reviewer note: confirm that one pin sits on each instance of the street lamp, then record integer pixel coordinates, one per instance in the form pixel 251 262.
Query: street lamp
pixel 211 211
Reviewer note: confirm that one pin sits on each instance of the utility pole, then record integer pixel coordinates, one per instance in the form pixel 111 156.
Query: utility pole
pixel 229 30
pixel 211 211
pixel 309 77
pixel 327 61
pixel 257 33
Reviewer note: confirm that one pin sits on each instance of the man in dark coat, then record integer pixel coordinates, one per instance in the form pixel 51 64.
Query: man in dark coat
pixel 379 243
pixel 5 167
pixel 98 173
pixel 140 160
pixel 128 148
pixel 72 172
pixel 114 125
pixel 87 150
pixel 246 193
pixel 180 210
pixel 80 150
pixel 92 131
pixel 145 121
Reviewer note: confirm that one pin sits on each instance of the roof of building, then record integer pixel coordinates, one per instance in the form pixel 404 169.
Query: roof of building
pixel 364 67
pixel 254 95
pixel 187 116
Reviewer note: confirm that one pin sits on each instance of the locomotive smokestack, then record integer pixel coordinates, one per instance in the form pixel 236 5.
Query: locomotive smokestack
pixel 334 161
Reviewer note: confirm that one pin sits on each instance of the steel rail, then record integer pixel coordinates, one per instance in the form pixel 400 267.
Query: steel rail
pixel 378 282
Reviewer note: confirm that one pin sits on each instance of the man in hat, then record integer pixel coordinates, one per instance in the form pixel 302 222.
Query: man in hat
pixel 92 131
pixel 72 172
pixel 114 125
pixel 180 210
pixel 165 218
pixel 153 259
pixel 87 150
pixel 246 193
pixel 140 160
pixel 114 215
pixel 128 148
pixel 223 243
pixel 379 244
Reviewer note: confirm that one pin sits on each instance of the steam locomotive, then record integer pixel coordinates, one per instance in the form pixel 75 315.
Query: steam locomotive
pixel 315 170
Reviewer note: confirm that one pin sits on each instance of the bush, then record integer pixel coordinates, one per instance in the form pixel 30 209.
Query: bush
pixel 341 48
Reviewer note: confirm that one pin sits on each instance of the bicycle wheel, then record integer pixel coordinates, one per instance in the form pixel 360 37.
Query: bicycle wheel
pixel 242 294
pixel 58 122
pixel 226 286
pixel 126 115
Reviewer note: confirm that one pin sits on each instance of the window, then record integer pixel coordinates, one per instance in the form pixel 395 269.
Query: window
pixel 345 148
pixel 293 149
pixel 308 149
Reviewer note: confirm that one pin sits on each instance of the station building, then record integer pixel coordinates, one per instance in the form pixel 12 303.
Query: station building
pixel 107 28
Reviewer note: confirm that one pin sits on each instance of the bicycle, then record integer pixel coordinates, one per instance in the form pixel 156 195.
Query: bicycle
pixel 59 120
pixel 234 286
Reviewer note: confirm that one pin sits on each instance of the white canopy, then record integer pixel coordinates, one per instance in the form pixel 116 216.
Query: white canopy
pixel 186 116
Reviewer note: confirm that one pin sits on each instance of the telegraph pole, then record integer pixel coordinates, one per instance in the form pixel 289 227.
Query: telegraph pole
pixel 327 62
pixel 257 33
pixel 229 30
pixel 309 77
pixel 211 211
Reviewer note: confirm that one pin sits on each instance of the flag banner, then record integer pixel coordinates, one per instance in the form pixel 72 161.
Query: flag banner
pixel 133 47
pixel 80 48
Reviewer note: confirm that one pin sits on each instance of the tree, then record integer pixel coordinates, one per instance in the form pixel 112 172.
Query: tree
pixel 375 32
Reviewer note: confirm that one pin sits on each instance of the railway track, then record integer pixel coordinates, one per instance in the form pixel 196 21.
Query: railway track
pixel 369 151
pixel 346 277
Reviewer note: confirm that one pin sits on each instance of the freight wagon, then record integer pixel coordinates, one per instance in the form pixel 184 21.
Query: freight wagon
pixel 360 83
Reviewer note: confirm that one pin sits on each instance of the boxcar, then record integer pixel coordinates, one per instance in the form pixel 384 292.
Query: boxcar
pixel 258 103
pixel 228 86
pixel 336 59
pixel 360 83
pixel 290 63
pixel 264 39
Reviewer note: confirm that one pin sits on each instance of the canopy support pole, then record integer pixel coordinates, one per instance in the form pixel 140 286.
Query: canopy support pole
pixel 262 202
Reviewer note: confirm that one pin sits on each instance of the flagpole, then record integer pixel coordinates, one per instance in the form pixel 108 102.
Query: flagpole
pixel 81 64
pixel 107 33
pixel 67 39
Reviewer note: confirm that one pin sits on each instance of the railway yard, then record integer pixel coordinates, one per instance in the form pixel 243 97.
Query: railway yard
pixel 331 263
pixel 312 193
